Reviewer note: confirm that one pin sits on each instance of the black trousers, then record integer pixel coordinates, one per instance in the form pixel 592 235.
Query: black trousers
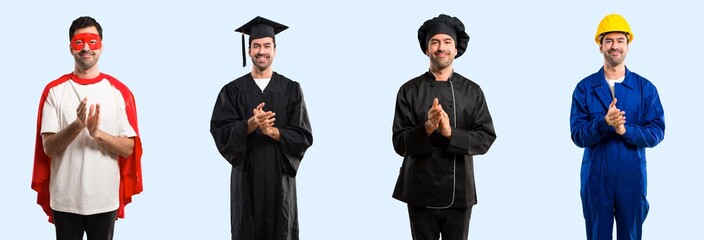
pixel 70 226
pixel 429 224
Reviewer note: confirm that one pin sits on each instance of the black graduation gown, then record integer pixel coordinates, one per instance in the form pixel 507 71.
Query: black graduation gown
pixel 263 184
pixel 437 171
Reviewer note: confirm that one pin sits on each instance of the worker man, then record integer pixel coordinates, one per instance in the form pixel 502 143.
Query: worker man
pixel 615 115
pixel 441 122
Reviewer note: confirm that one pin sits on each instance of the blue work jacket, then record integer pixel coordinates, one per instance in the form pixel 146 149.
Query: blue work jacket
pixel 609 158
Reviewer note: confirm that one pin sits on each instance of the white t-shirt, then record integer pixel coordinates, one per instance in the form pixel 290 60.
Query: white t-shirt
pixel 85 177
pixel 612 83
pixel 262 82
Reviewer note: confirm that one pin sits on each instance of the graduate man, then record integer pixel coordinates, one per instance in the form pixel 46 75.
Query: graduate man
pixel 441 122
pixel 615 115
pixel 260 126
pixel 88 149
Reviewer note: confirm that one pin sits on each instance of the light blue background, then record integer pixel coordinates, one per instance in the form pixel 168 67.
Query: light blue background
pixel 350 58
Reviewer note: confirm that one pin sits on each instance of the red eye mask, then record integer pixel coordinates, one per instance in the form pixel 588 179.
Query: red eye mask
pixel 81 39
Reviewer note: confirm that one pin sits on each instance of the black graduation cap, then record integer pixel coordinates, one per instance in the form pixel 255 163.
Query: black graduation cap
pixel 444 24
pixel 258 27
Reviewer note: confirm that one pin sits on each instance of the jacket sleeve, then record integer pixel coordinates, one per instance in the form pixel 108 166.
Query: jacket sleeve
pixel 228 127
pixel 297 136
pixel 651 131
pixel 409 136
pixel 480 136
pixel 584 130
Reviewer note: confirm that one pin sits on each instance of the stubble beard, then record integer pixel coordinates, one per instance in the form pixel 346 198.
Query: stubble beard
pixel 85 64
pixel 614 61
pixel 440 64
pixel 262 66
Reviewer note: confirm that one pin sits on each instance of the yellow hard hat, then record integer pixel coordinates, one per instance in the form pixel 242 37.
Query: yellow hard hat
pixel 613 23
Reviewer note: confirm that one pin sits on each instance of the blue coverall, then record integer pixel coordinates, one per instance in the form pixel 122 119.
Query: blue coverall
pixel 613 175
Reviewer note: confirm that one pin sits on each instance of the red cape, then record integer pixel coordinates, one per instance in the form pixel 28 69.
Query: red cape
pixel 130 167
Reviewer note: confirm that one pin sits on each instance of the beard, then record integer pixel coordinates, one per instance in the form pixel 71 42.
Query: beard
pixel 614 60
pixel 262 66
pixel 84 63
pixel 441 63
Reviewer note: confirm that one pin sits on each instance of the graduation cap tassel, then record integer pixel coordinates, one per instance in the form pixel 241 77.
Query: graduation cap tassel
pixel 244 58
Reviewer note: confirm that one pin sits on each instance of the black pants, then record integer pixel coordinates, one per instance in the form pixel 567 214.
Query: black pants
pixel 70 226
pixel 429 224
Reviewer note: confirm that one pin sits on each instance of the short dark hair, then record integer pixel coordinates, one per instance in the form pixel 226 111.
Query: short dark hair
pixel 84 22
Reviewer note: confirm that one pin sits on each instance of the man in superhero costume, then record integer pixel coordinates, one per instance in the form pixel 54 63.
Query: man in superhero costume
pixel 87 153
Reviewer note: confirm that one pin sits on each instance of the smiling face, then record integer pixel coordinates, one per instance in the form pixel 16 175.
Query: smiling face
pixel 262 52
pixel 86 47
pixel 614 47
pixel 441 51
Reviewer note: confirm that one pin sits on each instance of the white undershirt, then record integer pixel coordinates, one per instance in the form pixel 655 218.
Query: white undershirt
pixel 262 82
pixel 612 83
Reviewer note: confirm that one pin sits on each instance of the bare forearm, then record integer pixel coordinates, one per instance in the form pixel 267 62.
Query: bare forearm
pixel 56 142
pixel 122 146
